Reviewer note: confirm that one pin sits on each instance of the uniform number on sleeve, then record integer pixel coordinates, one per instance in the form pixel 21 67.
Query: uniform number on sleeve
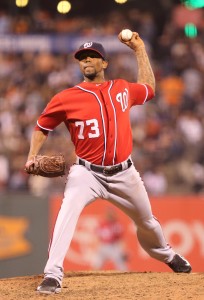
pixel 93 130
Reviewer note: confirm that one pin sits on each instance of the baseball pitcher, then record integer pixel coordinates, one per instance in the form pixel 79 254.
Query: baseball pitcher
pixel 96 113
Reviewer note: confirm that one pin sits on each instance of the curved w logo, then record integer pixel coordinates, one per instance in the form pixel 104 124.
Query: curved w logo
pixel 123 99
pixel 87 45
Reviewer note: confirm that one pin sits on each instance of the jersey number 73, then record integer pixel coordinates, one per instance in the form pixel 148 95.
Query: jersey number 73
pixel 94 130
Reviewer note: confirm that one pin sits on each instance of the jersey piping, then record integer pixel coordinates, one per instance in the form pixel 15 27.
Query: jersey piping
pixel 115 121
pixel 44 127
pixel 101 110
pixel 146 92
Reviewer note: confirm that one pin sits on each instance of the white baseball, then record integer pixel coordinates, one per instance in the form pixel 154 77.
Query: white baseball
pixel 126 35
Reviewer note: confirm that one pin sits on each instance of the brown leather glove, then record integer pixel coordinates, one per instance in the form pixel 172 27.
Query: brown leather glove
pixel 46 166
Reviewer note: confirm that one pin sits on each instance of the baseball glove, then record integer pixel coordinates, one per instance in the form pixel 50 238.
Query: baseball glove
pixel 47 166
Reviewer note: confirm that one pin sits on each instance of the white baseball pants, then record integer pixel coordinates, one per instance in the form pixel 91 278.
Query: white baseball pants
pixel 125 190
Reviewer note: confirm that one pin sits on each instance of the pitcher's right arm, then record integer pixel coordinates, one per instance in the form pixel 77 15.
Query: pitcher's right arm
pixel 37 140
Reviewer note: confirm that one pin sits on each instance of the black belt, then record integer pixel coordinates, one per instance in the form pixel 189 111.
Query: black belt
pixel 108 171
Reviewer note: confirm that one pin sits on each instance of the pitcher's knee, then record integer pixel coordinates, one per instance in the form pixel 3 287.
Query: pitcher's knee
pixel 148 224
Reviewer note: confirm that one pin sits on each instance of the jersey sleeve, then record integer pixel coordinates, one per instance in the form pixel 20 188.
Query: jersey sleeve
pixel 53 115
pixel 140 93
pixel 37 128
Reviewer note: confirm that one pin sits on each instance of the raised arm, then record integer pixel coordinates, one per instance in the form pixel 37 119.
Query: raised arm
pixel 145 73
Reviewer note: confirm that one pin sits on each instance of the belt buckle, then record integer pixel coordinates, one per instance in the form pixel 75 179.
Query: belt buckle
pixel 111 170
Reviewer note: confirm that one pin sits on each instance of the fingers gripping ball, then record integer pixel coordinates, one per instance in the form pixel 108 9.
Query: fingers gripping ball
pixel 126 35
pixel 48 166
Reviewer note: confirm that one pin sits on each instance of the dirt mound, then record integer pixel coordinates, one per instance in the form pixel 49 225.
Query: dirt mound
pixel 110 285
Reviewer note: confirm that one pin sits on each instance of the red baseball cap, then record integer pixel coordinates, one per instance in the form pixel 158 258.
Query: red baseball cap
pixel 93 46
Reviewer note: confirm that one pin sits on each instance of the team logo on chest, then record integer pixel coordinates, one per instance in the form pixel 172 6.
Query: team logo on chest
pixel 122 97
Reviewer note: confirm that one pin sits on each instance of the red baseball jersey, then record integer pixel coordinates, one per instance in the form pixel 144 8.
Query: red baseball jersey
pixel 97 117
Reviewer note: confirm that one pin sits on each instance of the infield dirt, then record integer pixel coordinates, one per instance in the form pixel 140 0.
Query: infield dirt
pixel 110 285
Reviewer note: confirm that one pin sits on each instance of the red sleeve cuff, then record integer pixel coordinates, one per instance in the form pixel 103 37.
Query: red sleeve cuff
pixel 151 92
pixel 37 128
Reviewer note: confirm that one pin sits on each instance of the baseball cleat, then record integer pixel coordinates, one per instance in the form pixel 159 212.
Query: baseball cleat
pixel 179 264
pixel 49 286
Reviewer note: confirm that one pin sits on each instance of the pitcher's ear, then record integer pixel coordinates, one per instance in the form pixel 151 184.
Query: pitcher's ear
pixel 105 64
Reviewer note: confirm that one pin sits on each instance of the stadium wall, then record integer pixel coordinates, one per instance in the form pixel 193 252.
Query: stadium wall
pixel 26 225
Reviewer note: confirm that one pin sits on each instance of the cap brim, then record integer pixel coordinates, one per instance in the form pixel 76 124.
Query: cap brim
pixel 76 55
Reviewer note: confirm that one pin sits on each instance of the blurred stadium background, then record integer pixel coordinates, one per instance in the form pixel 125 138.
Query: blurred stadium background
pixel 36 61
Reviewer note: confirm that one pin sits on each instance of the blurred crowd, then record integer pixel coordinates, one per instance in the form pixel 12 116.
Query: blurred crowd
pixel 168 132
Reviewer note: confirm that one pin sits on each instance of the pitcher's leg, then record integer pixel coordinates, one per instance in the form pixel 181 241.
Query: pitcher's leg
pixel 63 232
pixel 132 198
pixel 151 238
pixel 81 189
